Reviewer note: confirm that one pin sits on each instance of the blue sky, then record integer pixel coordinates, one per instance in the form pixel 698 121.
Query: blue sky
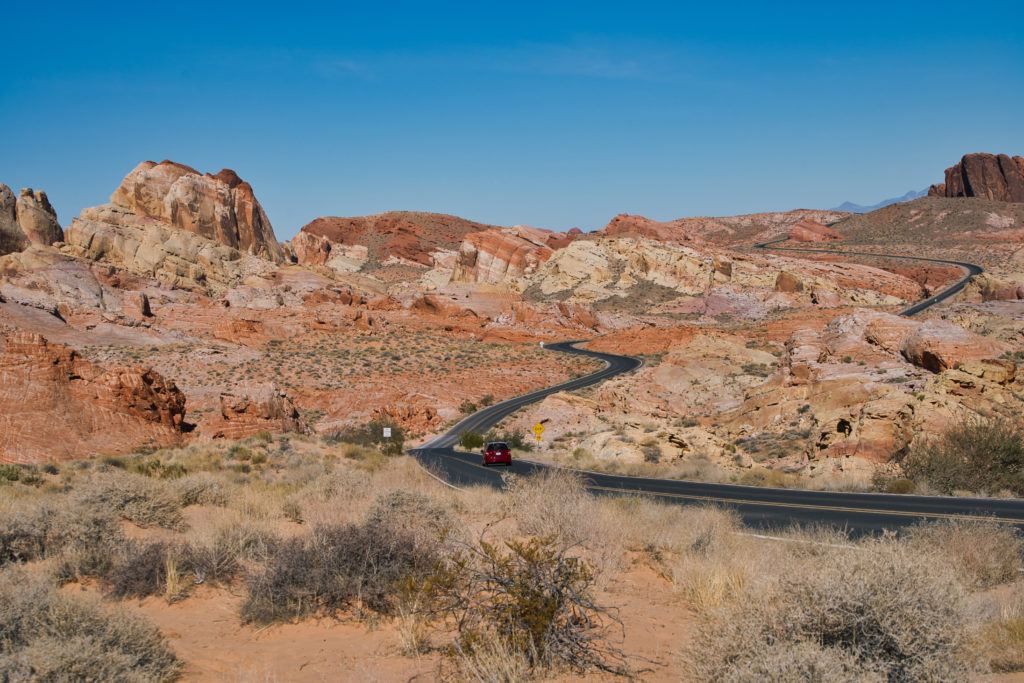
pixel 555 114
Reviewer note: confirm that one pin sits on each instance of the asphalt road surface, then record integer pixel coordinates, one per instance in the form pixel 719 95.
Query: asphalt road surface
pixel 970 270
pixel 759 507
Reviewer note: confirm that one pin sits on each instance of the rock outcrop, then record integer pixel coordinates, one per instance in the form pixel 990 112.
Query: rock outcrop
pixel 219 207
pixel 54 405
pixel 811 231
pixel 503 255
pixel 189 231
pixel 720 230
pixel 998 177
pixel 26 220
pixel 256 407
pixel 411 236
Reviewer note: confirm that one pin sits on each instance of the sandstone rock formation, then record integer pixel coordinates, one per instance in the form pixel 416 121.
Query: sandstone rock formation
pixel 256 407
pixel 998 177
pixel 410 235
pixel 502 255
pixel 190 231
pixel 811 231
pixel 54 405
pixel 219 207
pixel 26 220
pixel 720 230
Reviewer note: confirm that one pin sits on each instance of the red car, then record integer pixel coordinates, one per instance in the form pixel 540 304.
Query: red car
pixel 497 453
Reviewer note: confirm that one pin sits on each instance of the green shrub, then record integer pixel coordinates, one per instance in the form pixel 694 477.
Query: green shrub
pixel 976 454
pixel 471 440
pixel 467 407
pixel 372 434
pixel 50 636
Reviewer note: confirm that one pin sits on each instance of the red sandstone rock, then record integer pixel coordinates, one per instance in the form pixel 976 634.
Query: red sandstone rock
pixel 26 220
pixel 409 235
pixel 989 176
pixel 256 407
pixel 56 406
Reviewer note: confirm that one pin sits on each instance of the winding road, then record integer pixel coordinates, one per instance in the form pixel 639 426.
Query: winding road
pixel 759 507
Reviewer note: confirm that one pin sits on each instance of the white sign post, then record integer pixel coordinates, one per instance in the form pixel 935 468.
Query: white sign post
pixel 387 432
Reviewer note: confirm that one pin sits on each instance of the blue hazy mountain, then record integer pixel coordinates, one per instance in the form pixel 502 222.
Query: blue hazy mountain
pixel 860 208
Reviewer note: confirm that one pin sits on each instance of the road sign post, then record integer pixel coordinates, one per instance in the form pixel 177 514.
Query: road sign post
pixel 537 430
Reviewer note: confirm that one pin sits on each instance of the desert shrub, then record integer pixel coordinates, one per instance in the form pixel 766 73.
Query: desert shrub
pixel 486 400
pixel 1002 638
pixel 553 503
pixel 976 454
pixel 334 568
pixel 467 407
pixel 133 497
pixel 898 613
pixel 46 635
pixel 471 440
pixel 983 554
pixel 25 474
pixel 372 434
pixel 413 513
pixel 143 569
pixel 536 598
pixel 34 530
pixel 201 488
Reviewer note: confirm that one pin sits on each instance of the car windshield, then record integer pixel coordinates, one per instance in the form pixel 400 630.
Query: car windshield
pixel 497 446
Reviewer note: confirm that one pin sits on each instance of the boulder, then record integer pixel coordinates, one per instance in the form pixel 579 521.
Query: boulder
pixel 788 282
pixel 938 345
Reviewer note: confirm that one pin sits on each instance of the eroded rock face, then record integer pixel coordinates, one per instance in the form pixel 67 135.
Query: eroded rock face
pixel 256 407
pixel 26 220
pixel 54 405
pixel 494 256
pixel 219 207
pixel 998 177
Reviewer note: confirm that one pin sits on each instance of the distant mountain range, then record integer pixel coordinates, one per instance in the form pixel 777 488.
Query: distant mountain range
pixel 860 208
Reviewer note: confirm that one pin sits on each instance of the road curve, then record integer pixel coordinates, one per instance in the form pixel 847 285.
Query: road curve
pixel 970 270
pixel 759 507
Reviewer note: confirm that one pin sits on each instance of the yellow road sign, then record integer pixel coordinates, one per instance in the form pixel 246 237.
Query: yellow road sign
pixel 537 430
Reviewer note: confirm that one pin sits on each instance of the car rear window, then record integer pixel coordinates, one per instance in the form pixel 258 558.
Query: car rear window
pixel 497 445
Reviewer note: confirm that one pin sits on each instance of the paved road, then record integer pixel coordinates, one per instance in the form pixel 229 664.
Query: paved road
pixel 759 507
pixel 970 270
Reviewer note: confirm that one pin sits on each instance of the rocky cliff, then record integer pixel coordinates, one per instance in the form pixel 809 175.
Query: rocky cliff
pixel 998 177
pixel 26 219
pixel 56 406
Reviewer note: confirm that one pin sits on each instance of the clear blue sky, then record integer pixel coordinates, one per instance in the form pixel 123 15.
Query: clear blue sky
pixel 555 114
